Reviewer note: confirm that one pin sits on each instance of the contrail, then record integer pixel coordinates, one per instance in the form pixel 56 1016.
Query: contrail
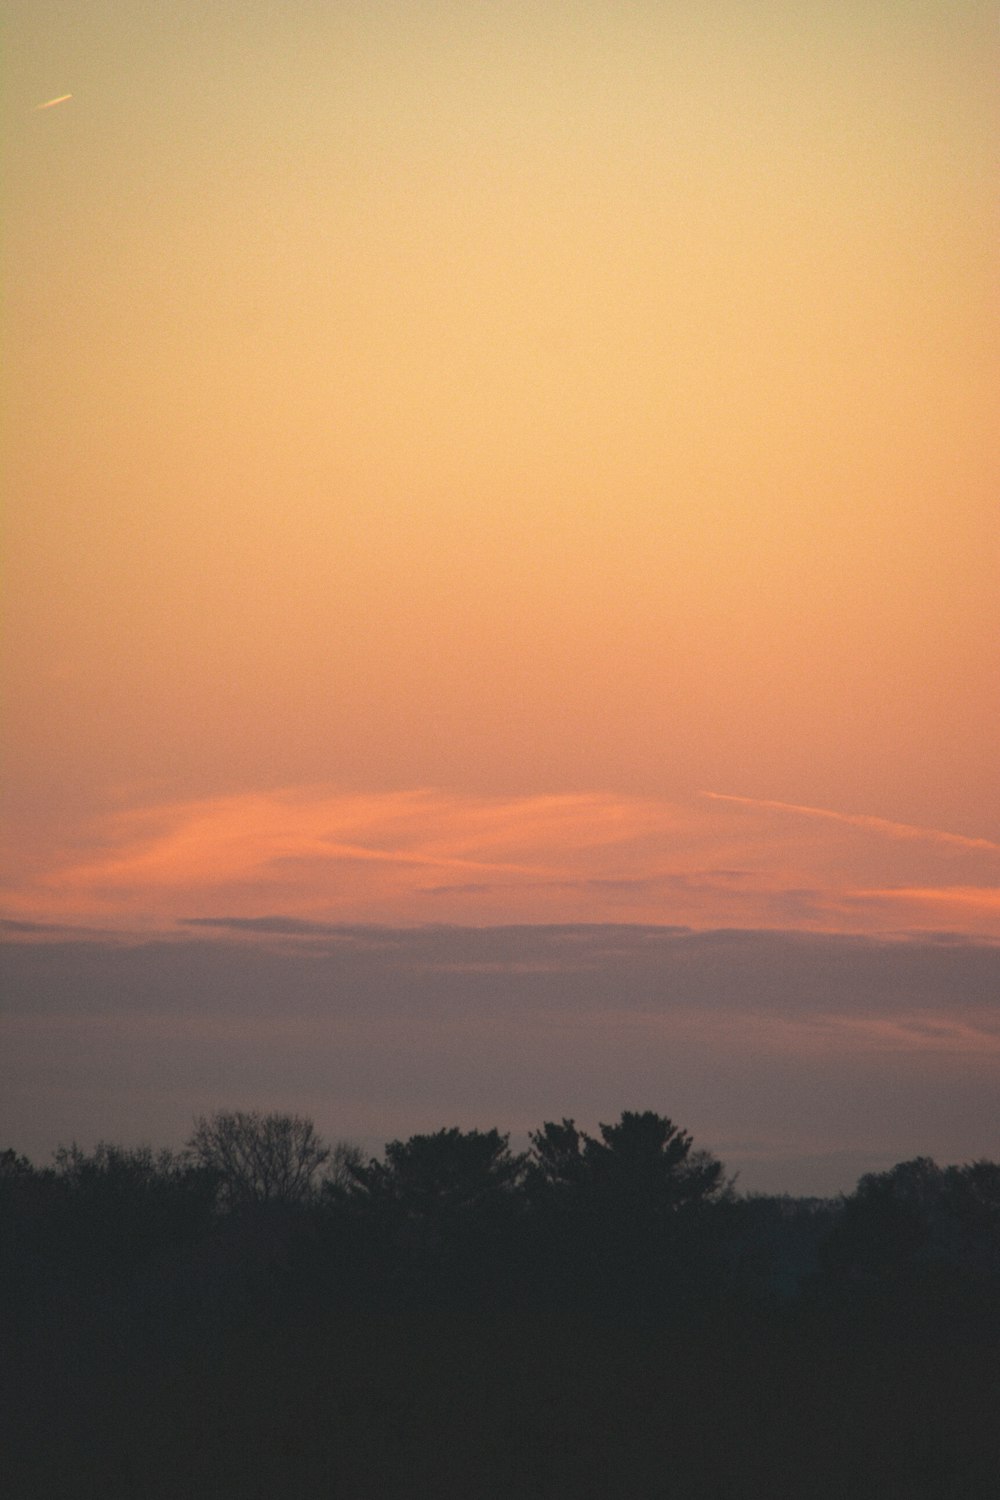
pixel 862 820
pixel 50 103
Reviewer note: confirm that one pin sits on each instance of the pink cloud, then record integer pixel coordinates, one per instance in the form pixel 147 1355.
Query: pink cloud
pixel 860 820
pixel 419 856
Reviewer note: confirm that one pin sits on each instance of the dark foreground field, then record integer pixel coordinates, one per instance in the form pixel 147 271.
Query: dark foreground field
pixel 445 1404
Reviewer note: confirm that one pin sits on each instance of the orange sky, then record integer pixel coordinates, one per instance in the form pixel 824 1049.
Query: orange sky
pixel 468 434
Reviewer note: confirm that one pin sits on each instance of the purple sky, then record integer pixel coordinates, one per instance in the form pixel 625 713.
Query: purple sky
pixel 802 1059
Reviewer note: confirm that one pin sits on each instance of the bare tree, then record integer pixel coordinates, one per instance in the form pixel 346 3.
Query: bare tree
pixel 258 1158
pixel 342 1166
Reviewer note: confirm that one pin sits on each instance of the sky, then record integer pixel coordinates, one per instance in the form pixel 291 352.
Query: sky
pixel 480 469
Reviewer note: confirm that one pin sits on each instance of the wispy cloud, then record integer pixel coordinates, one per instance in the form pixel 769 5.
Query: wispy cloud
pixel 860 820
pixel 981 899
pixel 311 854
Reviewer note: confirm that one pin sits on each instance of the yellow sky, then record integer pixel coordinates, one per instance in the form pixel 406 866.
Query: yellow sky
pixel 578 400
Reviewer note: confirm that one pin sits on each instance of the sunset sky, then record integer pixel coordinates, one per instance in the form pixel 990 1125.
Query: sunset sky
pixel 486 466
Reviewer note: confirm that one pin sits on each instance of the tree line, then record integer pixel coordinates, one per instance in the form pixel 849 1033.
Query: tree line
pixel 633 1193
pixel 596 1314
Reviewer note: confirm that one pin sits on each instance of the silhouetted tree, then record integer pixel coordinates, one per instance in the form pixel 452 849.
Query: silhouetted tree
pixel 974 1198
pixel 30 1200
pixel 14 1169
pixel 622 1210
pixel 258 1158
pixel 339 1175
pixel 119 1206
pixel 557 1159
pixel 452 1170
pixel 451 1192
pixel 646 1158
pixel 916 1225
pixel 884 1224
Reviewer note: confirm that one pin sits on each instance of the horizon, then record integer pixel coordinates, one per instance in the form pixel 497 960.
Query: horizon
pixel 801 1060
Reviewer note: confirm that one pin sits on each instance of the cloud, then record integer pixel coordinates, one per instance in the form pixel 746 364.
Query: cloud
pixel 314 855
pixel 467 888
pixel 12 925
pixel 861 820
pixel 985 899
pixel 281 926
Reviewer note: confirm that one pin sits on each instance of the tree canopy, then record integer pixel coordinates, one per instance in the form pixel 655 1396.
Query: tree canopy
pixel 258 1158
